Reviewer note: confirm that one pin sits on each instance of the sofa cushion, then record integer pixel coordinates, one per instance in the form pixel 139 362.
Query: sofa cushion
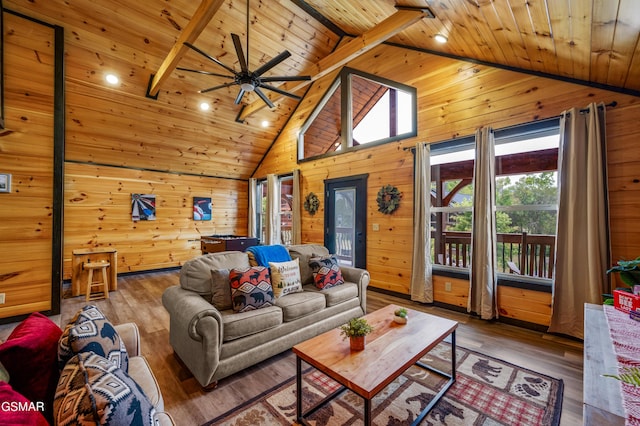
pixel 92 390
pixel 237 325
pixel 30 356
pixel 9 416
pixel 220 289
pixel 90 331
pixel 250 288
pixel 285 277
pixel 326 271
pixel 336 295
pixel 304 252
pixel 195 274
pixel 297 305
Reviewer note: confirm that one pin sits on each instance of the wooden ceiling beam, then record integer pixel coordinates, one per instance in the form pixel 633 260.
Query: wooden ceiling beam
pixel 196 25
pixel 386 29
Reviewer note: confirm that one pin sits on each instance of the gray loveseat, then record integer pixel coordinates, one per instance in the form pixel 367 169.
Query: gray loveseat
pixel 215 343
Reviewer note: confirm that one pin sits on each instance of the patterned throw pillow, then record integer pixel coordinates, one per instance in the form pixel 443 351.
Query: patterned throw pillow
pixel 285 277
pixel 92 390
pixel 326 271
pixel 91 331
pixel 250 288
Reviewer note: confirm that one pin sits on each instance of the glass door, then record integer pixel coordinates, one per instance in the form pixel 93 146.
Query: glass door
pixel 346 219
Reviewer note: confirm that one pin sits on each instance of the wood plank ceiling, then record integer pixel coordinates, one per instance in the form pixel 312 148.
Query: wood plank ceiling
pixel 593 41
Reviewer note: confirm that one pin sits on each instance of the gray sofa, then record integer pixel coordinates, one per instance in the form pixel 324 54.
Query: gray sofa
pixel 215 343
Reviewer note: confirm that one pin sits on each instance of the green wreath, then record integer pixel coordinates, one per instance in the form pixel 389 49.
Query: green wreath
pixel 388 199
pixel 311 203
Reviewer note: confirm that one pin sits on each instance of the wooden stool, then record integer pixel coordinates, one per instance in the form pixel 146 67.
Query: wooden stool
pixel 91 284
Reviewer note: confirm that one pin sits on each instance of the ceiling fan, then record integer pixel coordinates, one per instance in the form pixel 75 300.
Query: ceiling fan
pixel 249 81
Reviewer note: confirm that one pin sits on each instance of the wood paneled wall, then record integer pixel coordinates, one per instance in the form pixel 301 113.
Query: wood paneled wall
pixel 26 152
pixel 98 214
pixel 456 98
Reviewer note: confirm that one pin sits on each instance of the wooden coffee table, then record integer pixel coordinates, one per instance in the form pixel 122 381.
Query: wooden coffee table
pixel 390 350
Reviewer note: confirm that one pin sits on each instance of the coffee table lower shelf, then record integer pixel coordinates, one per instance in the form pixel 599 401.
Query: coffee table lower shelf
pixel 301 416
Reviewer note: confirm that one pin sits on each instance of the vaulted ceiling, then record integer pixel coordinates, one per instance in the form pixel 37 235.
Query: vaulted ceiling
pixel 590 41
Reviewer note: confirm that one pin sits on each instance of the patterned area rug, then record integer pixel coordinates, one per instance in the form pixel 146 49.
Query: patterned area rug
pixel 487 392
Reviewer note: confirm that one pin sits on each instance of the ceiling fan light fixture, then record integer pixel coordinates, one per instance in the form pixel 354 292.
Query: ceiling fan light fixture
pixel 441 38
pixel 247 87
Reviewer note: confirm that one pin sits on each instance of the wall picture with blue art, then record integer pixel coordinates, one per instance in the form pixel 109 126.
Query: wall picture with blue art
pixel 143 207
pixel 201 208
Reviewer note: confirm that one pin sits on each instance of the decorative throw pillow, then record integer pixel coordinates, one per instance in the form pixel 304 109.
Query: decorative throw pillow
pixel 220 289
pixel 92 390
pixel 91 331
pixel 285 277
pixel 32 416
pixel 29 355
pixel 326 271
pixel 250 288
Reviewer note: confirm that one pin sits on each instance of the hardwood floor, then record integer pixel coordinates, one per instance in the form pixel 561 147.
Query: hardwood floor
pixel 138 299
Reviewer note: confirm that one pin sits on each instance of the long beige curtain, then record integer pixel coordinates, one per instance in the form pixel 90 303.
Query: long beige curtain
pixel 421 270
pixel 296 211
pixel 253 210
pixel 272 219
pixel 582 237
pixel 483 275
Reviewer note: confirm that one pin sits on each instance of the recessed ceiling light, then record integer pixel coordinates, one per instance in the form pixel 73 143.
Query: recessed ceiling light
pixel 112 79
pixel 440 38
pixel 265 123
pixel 204 106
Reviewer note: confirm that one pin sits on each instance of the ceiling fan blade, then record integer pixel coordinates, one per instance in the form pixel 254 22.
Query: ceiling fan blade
pixel 278 90
pixel 240 53
pixel 211 58
pixel 205 72
pixel 272 63
pixel 286 78
pixel 240 95
pixel 210 89
pixel 263 97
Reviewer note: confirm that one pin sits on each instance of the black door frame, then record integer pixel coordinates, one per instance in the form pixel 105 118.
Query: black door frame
pixel 359 182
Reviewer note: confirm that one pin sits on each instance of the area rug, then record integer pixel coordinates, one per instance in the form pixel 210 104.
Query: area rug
pixel 487 392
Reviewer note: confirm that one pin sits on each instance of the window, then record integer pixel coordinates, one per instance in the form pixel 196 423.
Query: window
pixel 359 109
pixel 526 199
pixel 285 211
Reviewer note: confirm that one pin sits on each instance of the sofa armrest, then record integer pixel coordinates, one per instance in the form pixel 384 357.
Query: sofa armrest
pixel 186 308
pixel 130 335
pixel 195 331
pixel 164 419
pixel 360 277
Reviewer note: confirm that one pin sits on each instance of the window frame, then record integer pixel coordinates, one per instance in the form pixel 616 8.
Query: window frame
pixel 344 83
pixel 514 133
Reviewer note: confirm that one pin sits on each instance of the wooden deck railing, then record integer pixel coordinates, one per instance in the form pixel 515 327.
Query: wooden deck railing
pixel 524 254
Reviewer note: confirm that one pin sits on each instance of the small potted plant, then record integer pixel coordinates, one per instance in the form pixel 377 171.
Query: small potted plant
pixel 629 271
pixel 400 315
pixel 356 330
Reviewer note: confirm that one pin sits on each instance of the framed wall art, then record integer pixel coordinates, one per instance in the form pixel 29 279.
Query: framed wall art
pixel 143 207
pixel 5 182
pixel 201 208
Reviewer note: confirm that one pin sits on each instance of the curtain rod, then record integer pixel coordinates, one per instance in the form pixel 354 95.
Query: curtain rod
pixel 611 104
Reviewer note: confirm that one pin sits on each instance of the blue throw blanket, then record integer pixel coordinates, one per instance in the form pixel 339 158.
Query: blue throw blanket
pixel 266 254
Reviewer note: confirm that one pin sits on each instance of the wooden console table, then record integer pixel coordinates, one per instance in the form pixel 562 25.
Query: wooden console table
pixel 602 400
pixel 79 274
